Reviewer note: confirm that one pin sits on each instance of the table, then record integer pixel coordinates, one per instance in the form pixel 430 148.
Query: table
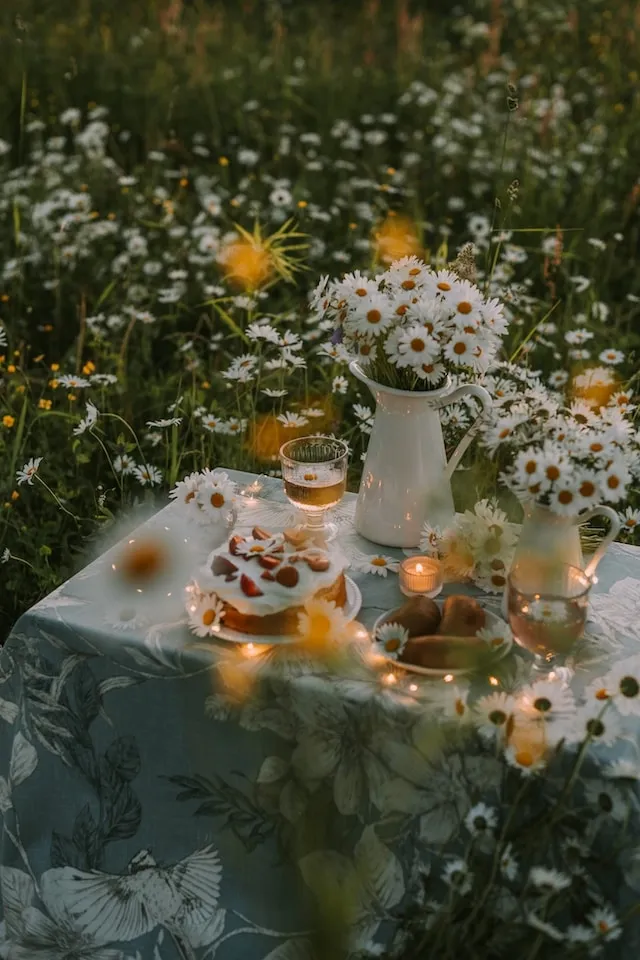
pixel 165 797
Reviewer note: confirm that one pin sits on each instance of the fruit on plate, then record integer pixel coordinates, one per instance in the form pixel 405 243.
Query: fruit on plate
pixel 461 617
pixel 443 653
pixel 419 616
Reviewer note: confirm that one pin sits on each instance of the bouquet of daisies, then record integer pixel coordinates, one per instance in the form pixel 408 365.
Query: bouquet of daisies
pixel 566 458
pixel 479 547
pixel 411 327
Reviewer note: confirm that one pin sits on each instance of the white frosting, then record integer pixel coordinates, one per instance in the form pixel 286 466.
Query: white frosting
pixel 275 597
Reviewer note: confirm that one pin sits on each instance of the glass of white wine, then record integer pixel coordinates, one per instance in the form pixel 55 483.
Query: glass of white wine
pixel 314 470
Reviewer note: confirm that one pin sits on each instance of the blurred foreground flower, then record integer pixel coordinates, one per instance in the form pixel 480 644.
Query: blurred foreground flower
pixel 595 386
pixel 396 237
pixel 252 261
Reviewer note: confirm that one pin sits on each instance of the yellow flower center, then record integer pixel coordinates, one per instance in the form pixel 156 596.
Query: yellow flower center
pixel 464 307
pixel 417 344
pixel 361 292
pixel 408 284
pixel 208 617
pixel 552 472
pixel 443 285
pixel 217 500
pixel 378 562
pixel 374 316
pixel 524 758
pixel 459 348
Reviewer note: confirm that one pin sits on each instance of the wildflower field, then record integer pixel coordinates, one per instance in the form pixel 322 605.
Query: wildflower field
pixel 176 178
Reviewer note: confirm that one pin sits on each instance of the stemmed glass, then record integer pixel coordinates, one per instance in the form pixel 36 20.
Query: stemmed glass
pixel 547 606
pixel 314 470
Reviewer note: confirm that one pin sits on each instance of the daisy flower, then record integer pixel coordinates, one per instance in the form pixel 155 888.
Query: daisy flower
pixel 459 349
pixel 28 471
pixel 147 475
pixel 88 421
pixel 260 548
pixel 313 412
pixel 613 357
pixel 215 498
pixel 430 539
pixel 613 480
pixel 73 382
pixel 481 820
pixel 548 880
pixel 493 714
pixel 606 799
pixel 604 923
pixel 291 420
pixel 214 424
pixel 509 865
pixel 205 613
pixel 623 684
pixel 361 412
pixel 416 347
pixel 630 519
pixel 392 637
pixel 124 464
pixel 546 700
pixel 547 611
pixel 497 636
pixel 339 384
pixel 378 563
pixel 321 623
pixel 526 751
pixel 370 317
pixel 274 394
pixel 186 490
pixel 235 425
pixel 457 875
pixel 171 422
pixel 602 726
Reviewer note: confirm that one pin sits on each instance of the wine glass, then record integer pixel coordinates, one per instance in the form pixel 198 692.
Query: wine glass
pixel 314 470
pixel 547 607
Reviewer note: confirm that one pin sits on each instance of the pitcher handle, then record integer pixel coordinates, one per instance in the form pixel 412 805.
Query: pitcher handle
pixel 472 390
pixel 614 530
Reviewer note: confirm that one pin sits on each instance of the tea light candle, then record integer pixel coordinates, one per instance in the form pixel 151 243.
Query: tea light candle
pixel 421 576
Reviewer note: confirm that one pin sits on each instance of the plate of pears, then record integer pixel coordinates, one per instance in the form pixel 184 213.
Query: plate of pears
pixel 457 635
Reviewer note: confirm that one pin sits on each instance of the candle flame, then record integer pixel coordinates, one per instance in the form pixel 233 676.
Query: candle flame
pixel 418 568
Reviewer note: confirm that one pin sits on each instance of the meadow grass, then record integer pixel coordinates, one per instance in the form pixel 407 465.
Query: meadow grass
pixel 497 122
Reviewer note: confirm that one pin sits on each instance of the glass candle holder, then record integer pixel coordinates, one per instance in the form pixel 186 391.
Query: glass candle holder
pixel 420 577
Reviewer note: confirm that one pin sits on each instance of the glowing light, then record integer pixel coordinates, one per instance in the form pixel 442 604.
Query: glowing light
pixel 192 608
pixel 448 677
pixel 132 541
pixel 419 568
pixel 216 628
pixel 494 681
pixel 113 566
pixel 166 528
pixel 413 687
pixel 390 678
pixel 138 589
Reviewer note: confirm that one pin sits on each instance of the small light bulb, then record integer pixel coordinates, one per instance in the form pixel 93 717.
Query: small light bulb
pixel 113 566
pixel 494 681
pixel 132 541
pixel 390 678
pixel 413 687
pixel 448 677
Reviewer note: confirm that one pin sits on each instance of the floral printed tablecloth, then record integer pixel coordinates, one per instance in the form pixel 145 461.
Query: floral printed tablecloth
pixel 166 797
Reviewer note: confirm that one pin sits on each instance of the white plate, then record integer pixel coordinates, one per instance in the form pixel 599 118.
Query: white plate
pixel 491 620
pixel 350 610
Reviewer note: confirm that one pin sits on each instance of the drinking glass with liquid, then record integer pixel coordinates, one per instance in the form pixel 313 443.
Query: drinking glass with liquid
pixel 314 470
pixel 547 606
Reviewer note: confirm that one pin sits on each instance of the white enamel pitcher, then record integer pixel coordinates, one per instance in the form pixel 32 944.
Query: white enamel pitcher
pixel 406 480
pixel 547 535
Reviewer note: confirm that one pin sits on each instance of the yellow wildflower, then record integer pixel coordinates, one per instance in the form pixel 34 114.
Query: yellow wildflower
pixel 44 404
pixel 8 421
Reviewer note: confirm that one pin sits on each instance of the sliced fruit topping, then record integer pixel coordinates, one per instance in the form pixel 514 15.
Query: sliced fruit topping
pixel 234 543
pixel 259 533
pixel 249 587
pixel 269 563
pixel 287 576
pixel 295 536
pixel 267 575
pixel 318 562
pixel 222 566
